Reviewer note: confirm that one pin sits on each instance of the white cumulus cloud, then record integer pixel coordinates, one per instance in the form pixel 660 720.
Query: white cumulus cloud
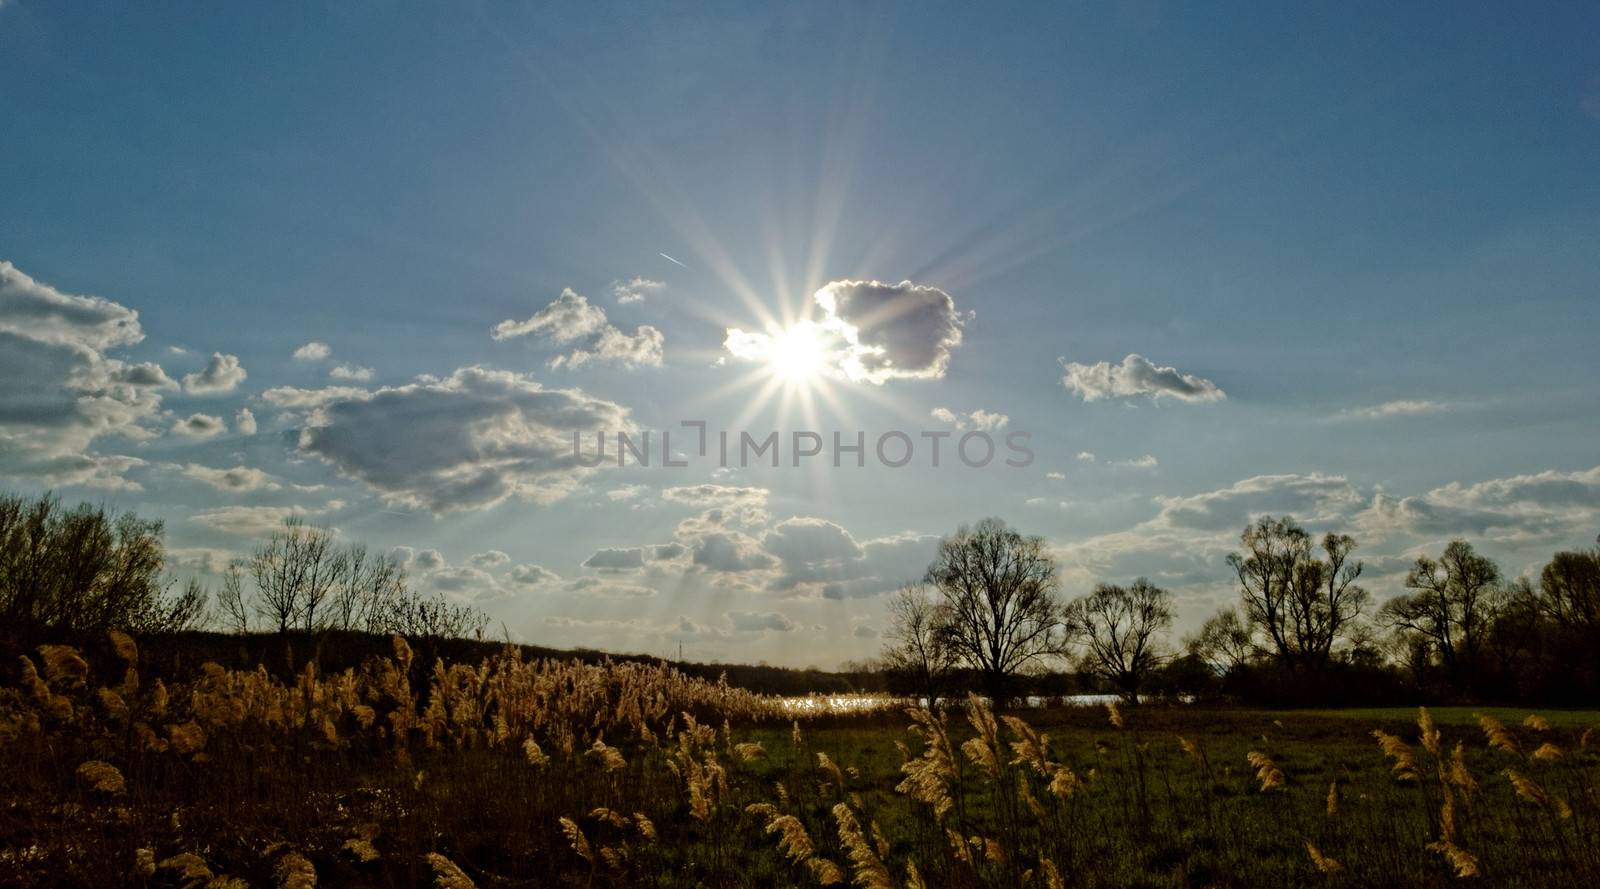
pixel 1134 376
pixel 221 374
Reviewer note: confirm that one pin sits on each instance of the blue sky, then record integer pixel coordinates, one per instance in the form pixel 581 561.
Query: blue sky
pixel 1355 247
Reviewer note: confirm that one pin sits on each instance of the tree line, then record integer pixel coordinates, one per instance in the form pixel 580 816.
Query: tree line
pixel 988 615
pixel 73 572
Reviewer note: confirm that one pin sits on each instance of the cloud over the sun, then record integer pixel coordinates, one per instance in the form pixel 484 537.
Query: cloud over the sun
pixel 572 320
pixel 466 441
pixel 870 331
pixel 1135 376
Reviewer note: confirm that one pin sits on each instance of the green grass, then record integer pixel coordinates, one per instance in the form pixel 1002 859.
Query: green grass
pixel 1577 719
pixel 495 815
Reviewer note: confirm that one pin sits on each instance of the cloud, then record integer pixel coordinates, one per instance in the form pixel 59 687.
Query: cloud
pixel 532 575
pixel 1548 506
pixel 59 391
pixel 571 319
pixel 756 622
pixel 1394 409
pixel 608 588
pixel 662 552
pixel 900 330
pixel 252 521
pixel 728 551
pixel 978 419
pixel 1517 520
pixel 627 492
pixel 37 311
pixel 350 372
pixel 870 332
pixel 313 351
pixel 467 441
pixel 885 564
pixel 238 478
pixel 418 560
pixel 1133 377
pixel 488 559
pixel 1086 456
pixel 812 550
pixel 635 290
pixel 85 470
pixel 1146 462
pixel 1056 476
pixel 221 374
pixel 865 631
pixel 244 422
pixel 723 503
pixel 1314 498
pixel 643 348
pixel 293 398
pixel 199 426
pixel 609 559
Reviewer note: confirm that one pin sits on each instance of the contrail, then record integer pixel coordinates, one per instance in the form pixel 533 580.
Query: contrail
pixel 671 260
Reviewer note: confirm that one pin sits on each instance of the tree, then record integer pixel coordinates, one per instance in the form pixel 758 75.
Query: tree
pixel 998 594
pixel 1302 604
pixel 85 570
pixel 230 600
pixel 916 646
pixel 1453 610
pixel 1117 627
pixel 1569 590
pixel 294 572
pixel 1224 642
pixel 367 589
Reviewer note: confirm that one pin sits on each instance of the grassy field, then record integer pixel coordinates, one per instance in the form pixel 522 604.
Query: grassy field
pixel 527 774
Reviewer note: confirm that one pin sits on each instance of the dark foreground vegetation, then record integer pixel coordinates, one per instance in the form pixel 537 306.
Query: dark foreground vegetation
pixel 342 729
pixel 553 773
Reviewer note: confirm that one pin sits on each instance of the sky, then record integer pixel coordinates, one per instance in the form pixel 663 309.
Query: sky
pixel 374 264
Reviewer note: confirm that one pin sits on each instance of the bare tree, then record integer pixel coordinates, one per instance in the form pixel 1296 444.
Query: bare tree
pixel 295 571
pixel 435 618
pixel 1453 609
pixel 1224 642
pixel 234 610
pixel 916 647
pixel 1302 604
pixel 1118 628
pixel 998 591
pixel 367 589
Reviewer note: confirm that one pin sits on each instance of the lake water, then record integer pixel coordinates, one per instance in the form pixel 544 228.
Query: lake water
pixel 866 703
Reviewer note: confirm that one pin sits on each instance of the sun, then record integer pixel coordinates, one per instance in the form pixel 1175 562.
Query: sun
pixel 797 354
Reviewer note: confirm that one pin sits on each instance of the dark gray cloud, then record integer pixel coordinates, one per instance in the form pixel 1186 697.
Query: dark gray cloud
pixel 467 441
pixel 756 622
pixel 40 312
pixel 900 330
pixel 199 426
pixel 631 559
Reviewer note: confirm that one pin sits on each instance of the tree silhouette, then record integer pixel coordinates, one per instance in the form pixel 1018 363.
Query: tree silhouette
pixel 1302 604
pixel 998 589
pixel 1117 626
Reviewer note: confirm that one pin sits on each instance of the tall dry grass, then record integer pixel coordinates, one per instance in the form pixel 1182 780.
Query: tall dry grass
pixel 512 772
